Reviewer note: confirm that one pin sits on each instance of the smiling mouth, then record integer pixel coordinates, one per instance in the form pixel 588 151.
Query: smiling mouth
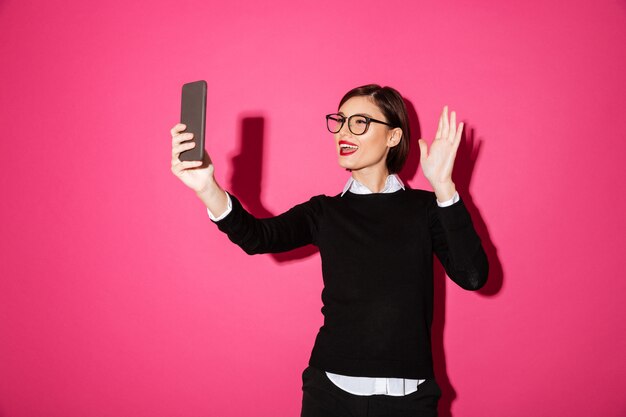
pixel 346 149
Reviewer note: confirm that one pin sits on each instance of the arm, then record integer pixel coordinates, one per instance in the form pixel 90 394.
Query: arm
pixel 294 228
pixel 290 230
pixel 457 245
pixel 455 242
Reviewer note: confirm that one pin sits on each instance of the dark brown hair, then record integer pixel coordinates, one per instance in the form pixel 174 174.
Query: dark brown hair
pixel 390 102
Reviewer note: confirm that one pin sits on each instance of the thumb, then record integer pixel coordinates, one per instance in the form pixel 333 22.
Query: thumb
pixel 423 148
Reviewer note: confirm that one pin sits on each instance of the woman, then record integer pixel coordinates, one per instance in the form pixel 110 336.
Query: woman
pixel 372 356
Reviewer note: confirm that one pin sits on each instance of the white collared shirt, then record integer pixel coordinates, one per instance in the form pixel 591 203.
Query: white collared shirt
pixel 393 183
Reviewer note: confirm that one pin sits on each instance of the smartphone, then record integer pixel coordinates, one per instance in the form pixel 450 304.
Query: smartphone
pixel 193 115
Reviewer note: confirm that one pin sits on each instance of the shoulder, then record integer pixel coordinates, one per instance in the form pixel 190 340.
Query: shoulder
pixel 419 195
pixel 323 199
pixel 315 205
pixel 320 199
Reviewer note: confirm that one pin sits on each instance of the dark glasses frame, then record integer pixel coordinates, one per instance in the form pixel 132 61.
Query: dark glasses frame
pixel 335 118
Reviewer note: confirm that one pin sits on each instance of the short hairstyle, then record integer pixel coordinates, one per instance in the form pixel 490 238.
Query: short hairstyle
pixel 390 102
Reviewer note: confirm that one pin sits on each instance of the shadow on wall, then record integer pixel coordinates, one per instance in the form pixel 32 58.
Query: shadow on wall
pixel 247 177
pixel 466 159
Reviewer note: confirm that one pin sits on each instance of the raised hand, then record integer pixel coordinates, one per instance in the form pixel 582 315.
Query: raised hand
pixel 437 162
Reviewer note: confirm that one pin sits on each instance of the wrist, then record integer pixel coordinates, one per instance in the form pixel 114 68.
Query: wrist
pixel 209 189
pixel 444 191
pixel 214 198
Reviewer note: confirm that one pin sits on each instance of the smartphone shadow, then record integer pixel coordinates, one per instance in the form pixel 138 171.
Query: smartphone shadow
pixel 465 163
pixel 247 179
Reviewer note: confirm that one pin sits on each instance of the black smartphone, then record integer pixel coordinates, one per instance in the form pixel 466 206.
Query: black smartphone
pixel 193 115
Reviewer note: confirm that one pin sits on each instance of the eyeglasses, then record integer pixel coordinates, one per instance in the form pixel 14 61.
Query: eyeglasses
pixel 357 123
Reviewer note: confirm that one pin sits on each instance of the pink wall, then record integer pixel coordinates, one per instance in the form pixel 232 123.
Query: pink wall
pixel 118 297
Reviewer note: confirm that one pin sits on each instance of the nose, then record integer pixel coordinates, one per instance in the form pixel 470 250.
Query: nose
pixel 345 130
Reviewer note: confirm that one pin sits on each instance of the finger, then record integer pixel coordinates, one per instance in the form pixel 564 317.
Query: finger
pixel 183 146
pixel 423 149
pixel 178 128
pixel 439 126
pixel 176 150
pixel 446 126
pixel 452 133
pixel 181 137
pixel 179 167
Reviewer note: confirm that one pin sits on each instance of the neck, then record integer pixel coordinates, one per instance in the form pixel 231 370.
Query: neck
pixel 373 178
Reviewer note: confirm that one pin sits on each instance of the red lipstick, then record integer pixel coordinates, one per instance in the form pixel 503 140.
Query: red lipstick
pixel 347 148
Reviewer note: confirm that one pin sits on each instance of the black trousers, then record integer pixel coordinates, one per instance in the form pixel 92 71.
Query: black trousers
pixel 322 398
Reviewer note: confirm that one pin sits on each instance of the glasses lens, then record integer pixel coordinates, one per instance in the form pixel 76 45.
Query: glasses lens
pixel 334 122
pixel 358 125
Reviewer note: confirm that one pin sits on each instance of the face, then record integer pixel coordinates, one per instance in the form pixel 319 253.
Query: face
pixel 369 150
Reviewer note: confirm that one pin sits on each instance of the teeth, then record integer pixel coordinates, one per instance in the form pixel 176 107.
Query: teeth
pixel 343 145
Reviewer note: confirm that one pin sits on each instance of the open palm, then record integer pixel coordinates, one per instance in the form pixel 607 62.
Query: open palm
pixel 437 162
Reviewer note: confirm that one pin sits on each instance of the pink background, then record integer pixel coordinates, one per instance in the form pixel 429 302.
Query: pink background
pixel 118 297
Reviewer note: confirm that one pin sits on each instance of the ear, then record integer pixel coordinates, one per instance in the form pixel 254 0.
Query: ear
pixel 394 137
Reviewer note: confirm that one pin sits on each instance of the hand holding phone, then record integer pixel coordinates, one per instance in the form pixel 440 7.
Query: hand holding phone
pixel 190 162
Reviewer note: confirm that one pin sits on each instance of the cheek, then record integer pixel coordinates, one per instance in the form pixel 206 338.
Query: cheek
pixel 375 144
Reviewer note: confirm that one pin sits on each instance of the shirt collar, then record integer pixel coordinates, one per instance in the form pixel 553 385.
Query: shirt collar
pixel 393 183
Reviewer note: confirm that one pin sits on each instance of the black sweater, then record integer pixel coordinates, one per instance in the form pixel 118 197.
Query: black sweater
pixel 377 265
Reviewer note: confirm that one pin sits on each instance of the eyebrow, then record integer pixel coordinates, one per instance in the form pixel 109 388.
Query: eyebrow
pixel 356 114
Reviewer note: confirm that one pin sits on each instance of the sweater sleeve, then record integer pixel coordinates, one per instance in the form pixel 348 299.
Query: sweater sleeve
pixel 292 229
pixel 457 245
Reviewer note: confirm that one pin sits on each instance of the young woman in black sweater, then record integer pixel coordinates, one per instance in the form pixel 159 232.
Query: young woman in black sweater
pixel 372 356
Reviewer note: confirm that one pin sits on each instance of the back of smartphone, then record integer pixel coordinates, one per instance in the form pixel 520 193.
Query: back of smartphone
pixel 193 115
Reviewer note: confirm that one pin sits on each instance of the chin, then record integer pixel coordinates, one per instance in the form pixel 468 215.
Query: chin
pixel 345 164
